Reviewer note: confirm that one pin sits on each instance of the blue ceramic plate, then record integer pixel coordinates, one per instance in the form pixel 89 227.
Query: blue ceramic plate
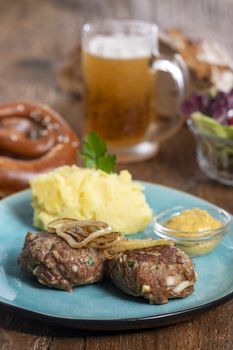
pixel 102 306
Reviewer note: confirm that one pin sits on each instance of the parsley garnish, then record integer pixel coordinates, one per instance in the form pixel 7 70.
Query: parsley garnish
pixel 95 154
pixel 131 263
pixel 90 260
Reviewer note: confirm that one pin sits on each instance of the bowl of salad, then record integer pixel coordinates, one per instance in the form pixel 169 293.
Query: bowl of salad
pixel 210 119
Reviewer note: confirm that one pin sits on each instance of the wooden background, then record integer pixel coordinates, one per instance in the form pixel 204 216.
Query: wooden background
pixel 35 37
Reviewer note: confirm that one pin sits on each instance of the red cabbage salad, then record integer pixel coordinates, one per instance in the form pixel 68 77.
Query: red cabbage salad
pixel 211 113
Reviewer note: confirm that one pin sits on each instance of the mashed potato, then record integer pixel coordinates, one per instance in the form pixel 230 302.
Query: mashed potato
pixel 82 193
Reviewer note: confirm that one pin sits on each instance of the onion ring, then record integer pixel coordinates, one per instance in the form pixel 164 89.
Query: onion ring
pixel 81 233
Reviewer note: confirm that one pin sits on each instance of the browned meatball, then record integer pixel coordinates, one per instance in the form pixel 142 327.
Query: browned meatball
pixel 157 273
pixel 55 264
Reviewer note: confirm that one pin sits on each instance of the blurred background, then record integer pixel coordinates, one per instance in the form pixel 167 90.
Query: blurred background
pixel 35 36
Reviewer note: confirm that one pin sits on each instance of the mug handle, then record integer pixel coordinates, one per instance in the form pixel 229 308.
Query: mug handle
pixel 176 67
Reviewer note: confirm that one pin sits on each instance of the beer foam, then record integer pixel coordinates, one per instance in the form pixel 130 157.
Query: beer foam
pixel 119 46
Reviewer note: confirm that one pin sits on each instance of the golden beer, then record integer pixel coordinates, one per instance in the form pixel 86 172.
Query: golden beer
pixel 125 101
pixel 120 96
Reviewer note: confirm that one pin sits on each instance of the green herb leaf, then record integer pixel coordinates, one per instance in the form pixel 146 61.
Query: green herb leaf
pixel 131 263
pixel 95 154
pixel 107 163
pixel 90 261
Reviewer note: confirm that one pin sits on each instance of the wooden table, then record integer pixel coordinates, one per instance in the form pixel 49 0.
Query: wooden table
pixel 34 39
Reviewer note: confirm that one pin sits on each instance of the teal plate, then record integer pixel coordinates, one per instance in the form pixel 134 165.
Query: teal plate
pixel 102 306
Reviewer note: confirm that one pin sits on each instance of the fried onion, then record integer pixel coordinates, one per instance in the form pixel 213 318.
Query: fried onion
pixel 81 233
pixel 99 235
pixel 134 244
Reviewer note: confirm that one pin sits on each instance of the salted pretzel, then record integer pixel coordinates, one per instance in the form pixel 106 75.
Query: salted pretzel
pixel 33 139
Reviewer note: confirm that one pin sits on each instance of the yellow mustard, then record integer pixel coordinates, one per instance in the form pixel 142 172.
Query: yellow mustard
pixel 193 220
pixel 188 223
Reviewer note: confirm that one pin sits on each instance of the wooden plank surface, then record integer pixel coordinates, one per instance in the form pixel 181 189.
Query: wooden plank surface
pixel 34 39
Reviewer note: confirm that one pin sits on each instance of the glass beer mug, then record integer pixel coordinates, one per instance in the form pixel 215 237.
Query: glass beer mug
pixel 120 64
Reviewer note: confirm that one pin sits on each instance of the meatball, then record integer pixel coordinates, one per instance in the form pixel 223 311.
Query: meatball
pixel 55 264
pixel 157 273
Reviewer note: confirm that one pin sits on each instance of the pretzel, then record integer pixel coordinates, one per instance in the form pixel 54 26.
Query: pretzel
pixel 33 139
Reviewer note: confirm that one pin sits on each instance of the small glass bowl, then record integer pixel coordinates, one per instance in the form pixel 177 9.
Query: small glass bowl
pixel 214 155
pixel 195 243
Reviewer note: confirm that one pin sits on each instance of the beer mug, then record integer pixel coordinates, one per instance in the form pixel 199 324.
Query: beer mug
pixel 121 62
